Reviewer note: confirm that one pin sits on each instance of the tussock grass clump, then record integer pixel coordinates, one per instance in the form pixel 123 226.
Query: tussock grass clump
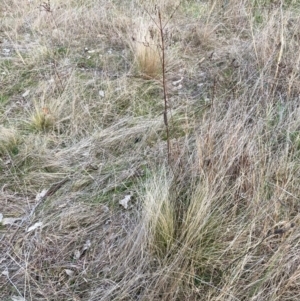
pixel 174 223
pixel 9 140
pixel 183 235
pixel 146 49
pixel 42 119
pixel 160 219
pixel 49 114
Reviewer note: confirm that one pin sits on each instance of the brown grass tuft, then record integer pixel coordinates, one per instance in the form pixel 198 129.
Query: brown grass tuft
pixel 146 49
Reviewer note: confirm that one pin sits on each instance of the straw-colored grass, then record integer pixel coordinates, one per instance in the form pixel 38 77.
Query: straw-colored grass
pixel 82 128
pixel 146 49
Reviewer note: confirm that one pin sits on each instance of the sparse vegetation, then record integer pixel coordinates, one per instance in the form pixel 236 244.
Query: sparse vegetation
pixel 91 93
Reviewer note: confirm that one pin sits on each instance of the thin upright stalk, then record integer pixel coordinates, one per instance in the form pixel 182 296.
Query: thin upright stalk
pixel 163 65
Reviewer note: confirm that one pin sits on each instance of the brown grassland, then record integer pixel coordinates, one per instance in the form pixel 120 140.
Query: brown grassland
pixel 83 126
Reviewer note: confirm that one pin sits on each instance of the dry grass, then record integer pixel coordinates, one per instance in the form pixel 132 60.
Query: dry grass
pixel 146 49
pixel 82 127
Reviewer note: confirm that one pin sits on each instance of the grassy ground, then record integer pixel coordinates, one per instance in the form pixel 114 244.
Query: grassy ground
pixel 82 128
